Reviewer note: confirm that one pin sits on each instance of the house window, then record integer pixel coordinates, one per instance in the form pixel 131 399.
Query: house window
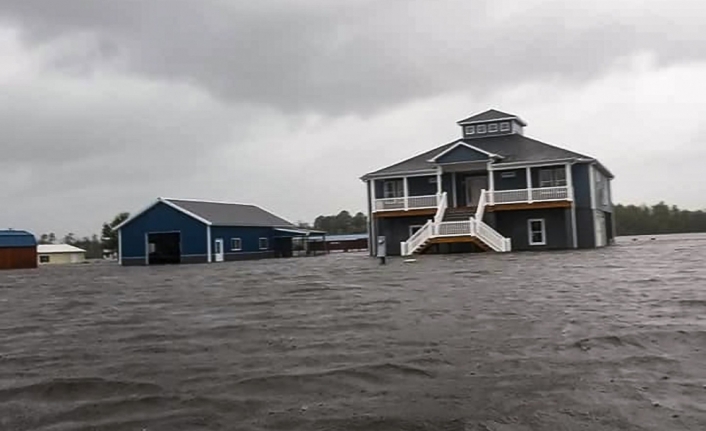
pixel 511 174
pixel 493 127
pixel 43 259
pixel 537 232
pixel 505 126
pixel 555 177
pixel 481 128
pixel 264 244
pixel 236 244
pixel 470 130
pixel 393 189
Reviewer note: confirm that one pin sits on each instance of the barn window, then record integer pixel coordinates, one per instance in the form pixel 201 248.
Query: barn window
pixel 264 244
pixel 236 244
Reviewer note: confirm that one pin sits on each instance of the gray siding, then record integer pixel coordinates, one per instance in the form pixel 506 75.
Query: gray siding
pixel 584 228
pixel 519 181
pixel 601 184
pixel 514 225
pixel 582 191
pixel 462 154
pixel 396 229
pixel 422 186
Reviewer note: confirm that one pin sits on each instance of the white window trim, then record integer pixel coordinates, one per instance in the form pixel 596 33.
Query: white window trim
pixel 492 127
pixel 544 231
pixel 505 126
pixel 481 128
pixel 267 243
pixel 419 226
pixel 470 130
pixel 240 244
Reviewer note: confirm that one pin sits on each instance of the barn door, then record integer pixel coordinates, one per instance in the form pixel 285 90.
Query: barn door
pixel 218 250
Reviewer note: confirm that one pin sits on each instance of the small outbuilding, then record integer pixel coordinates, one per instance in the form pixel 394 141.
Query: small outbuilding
pixel 60 254
pixel 18 249
pixel 173 231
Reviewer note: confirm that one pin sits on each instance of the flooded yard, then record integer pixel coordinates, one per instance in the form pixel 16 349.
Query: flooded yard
pixel 611 339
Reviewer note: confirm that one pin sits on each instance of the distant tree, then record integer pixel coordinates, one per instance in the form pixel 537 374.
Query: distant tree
pixel 69 238
pixel 342 223
pixel 109 236
pixel 52 238
pixel 657 219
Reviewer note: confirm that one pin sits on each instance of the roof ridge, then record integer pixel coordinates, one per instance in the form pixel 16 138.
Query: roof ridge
pixel 208 201
pixel 428 153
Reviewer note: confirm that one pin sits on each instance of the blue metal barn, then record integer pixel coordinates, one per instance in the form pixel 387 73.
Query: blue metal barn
pixel 192 231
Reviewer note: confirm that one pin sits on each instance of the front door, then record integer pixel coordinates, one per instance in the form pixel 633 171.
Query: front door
pixel 218 250
pixel 474 185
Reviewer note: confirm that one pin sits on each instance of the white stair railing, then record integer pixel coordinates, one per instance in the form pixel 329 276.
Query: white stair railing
pixel 491 237
pixel 418 239
pixel 482 202
pixel 441 209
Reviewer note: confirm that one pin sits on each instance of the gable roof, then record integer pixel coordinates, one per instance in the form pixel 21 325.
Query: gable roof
pixel 16 238
pixel 512 148
pixel 219 213
pixel 490 115
pixel 58 248
pixel 463 145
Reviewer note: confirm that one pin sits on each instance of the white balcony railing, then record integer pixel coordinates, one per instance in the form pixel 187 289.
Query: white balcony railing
pixel 407 203
pixel 544 194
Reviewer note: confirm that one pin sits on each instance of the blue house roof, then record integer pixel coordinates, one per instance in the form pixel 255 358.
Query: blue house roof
pixel 16 238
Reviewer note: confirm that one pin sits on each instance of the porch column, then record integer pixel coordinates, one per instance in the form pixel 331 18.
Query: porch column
pixel 569 182
pixel 453 188
pixel 529 184
pixel 438 182
pixel 372 196
pixel 405 185
pixel 491 184
pixel 208 245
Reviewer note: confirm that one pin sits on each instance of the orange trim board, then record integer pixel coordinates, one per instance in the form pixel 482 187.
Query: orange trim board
pixel 403 213
pixel 529 206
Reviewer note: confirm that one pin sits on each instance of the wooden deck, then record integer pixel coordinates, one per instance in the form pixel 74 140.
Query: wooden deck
pixel 407 213
pixel 455 240
pixel 528 206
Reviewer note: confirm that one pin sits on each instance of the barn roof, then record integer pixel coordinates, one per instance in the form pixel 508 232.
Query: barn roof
pixel 220 213
pixel 16 238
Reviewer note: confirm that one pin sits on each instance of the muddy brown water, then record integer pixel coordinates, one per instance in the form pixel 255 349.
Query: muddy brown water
pixel 611 339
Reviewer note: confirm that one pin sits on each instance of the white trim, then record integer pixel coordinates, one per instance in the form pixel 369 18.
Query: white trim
pixel 529 184
pixel 592 186
pixel 453 188
pixel 147 248
pixel 493 127
pixel 240 241
pixel 120 248
pixel 371 187
pixel 167 202
pixel 405 192
pixel 458 144
pixel 219 257
pixel 259 243
pixel 439 180
pixel 518 119
pixel 570 185
pixel 529 231
pixel 208 245
pixel 393 175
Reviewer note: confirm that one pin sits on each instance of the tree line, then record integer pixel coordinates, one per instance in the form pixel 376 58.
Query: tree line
pixel 339 224
pixel 94 246
pixel 657 219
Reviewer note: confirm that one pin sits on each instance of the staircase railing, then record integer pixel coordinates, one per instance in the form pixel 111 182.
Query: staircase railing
pixel 491 237
pixel 482 202
pixel 417 239
pixel 441 208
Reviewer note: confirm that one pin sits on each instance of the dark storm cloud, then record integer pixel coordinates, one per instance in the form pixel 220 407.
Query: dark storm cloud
pixel 357 56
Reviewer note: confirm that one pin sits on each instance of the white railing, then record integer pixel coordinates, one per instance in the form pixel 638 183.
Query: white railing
pixel 417 239
pixel 544 194
pixel 482 202
pixel 491 237
pixel 453 228
pixel 441 209
pixel 406 203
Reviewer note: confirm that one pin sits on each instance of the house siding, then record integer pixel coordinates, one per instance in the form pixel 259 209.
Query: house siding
pixel 518 182
pixel 163 218
pixel 422 186
pixel 250 241
pixel 462 154
pixel 514 225
pixel 396 229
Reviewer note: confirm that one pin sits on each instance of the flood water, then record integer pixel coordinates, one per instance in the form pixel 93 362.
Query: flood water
pixel 611 339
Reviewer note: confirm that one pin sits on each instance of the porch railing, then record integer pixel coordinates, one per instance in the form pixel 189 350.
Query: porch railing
pixel 543 194
pixel 406 203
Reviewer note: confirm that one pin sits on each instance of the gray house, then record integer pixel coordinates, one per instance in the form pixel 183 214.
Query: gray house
pixel 494 189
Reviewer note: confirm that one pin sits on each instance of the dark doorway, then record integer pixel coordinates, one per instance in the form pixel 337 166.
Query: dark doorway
pixel 164 248
pixel 283 247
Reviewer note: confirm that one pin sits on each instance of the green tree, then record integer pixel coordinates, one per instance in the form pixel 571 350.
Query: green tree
pixel 109 236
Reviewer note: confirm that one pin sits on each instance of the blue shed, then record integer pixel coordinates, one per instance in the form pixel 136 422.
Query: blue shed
pixel 196 231
pixel 18 249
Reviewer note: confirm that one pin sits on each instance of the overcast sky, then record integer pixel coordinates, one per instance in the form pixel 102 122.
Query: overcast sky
pixel 105 105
